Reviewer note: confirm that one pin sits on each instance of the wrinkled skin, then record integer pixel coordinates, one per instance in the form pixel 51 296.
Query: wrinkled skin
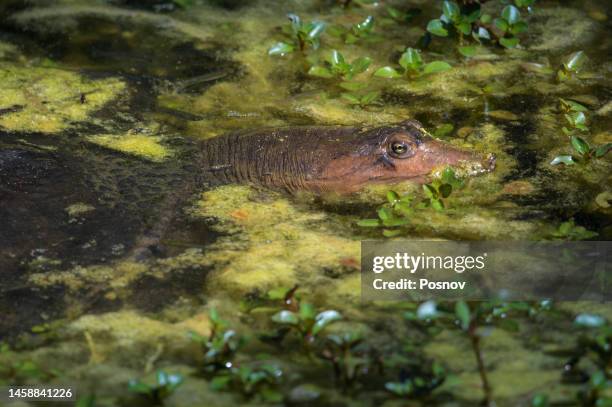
pixel 333 159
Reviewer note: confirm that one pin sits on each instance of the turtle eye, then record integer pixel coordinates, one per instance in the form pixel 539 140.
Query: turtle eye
pixel 399 149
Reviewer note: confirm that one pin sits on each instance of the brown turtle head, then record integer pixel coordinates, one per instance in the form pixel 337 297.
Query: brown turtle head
pixel 397 153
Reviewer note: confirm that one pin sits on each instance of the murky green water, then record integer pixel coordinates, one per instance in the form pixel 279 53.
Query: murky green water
pixel 101 107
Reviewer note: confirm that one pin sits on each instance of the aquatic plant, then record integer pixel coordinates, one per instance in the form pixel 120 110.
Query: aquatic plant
pixel 220 346
pixel 337 67
pixel 575 116
pixel 165 385
pixel 440 189
pixel 470 318
pixel 590 360
pixel 361 99
pixel 307 322
pixel 300 36
pixel 572 66
pixel 257 381
pixel 509 25
pixel 570 231
pixel 412 65
pixel 584 152
pixel 348 356
pixel 394 213
pixel 355 32
pixel 466 20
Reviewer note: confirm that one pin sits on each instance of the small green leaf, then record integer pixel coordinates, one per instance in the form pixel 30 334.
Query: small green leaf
pixel 385 213
pixel 473 16
pixel 369 223
pixel 486 18
pixel 436 66
pixel 316 28
pixel 449 177
pixel 395 13
pixel 296 22
pixel 563 159
pixel 437 28
pixel 281 48
pixel 462 311
pixel 391 232
pixel 286 317
pixel 451 10
pixel 464 27
pixel 573 106
pixel 411 59
pixel 430 191
pixel 351 98
pixel 352 86
pixel 445 190
pixel 394 222
pixel 307 311
pixel 387 72
pixel 325 318
pixel 361 64
pixel 320 72
pixel 575 62
pixel 366 25
pixel 482 33
pixel 437 204
pixel 518 28
pixel 580 145
pixel 336 58
pixel 278 293
pixel 468 51
pixel 403 208
pixel 501 24
pixel 511 42
pixel 511 14
pixel 603 150
pixel 576 119
pixel 370 97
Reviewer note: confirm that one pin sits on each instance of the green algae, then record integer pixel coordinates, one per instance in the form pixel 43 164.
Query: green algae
pixel 275 243
pixel 79 208
pixel 48 100
pixel 145 146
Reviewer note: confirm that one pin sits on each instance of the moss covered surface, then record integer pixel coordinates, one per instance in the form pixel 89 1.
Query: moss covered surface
pixel 50 100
